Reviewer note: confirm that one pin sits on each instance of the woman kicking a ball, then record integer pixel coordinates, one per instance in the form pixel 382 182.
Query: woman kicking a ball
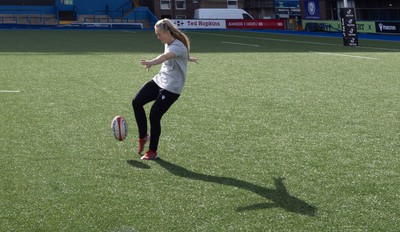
pixel 165 87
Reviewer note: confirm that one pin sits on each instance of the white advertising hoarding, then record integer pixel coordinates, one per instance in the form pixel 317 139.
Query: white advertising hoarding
pixel 199 24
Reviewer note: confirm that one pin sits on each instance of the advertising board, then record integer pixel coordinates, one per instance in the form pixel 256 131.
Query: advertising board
pixel 255 24
pixel 230 24
pixel 335 25
pixel 388 27
pixel 199 24
pixel 349 27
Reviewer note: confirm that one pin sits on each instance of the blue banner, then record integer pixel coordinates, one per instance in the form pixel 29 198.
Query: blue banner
pixel 311 9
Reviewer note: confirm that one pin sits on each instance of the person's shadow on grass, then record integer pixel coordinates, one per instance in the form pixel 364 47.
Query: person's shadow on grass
pixel 279 196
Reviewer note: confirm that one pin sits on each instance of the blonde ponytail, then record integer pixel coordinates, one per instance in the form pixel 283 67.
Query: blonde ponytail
pixel 167 25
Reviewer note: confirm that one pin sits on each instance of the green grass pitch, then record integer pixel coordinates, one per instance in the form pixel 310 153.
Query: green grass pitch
pixel 273 132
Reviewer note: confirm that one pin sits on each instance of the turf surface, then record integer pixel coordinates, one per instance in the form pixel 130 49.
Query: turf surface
pixel 272 133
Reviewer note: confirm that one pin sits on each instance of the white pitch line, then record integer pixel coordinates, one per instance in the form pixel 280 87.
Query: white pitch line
pixel 265 39
pixel 344 55
pixel 241 44
pixel 9 91
pixel 293 41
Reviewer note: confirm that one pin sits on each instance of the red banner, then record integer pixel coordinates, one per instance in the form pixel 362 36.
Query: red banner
pixel 255 24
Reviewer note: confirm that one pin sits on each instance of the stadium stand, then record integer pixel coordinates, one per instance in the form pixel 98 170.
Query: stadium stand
pixel 51 13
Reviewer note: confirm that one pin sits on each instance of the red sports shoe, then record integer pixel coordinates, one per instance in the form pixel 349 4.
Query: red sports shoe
pixel 150 155
pixel 142 142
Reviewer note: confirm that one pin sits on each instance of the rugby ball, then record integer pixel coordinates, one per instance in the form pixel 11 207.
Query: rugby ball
pixel 119 128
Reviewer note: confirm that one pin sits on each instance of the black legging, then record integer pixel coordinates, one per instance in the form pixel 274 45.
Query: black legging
pixel 163 99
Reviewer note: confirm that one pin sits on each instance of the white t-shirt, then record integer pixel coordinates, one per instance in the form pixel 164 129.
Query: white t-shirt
pixel 172 75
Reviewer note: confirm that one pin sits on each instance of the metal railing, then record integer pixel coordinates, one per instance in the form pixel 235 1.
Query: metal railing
pixel 28 19
pixel 29 16
pixel 108 17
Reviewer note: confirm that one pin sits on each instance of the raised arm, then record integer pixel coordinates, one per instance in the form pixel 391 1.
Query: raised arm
pixel 158 60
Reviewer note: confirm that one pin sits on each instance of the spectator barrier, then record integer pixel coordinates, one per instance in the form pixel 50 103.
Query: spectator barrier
pixel 387 27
